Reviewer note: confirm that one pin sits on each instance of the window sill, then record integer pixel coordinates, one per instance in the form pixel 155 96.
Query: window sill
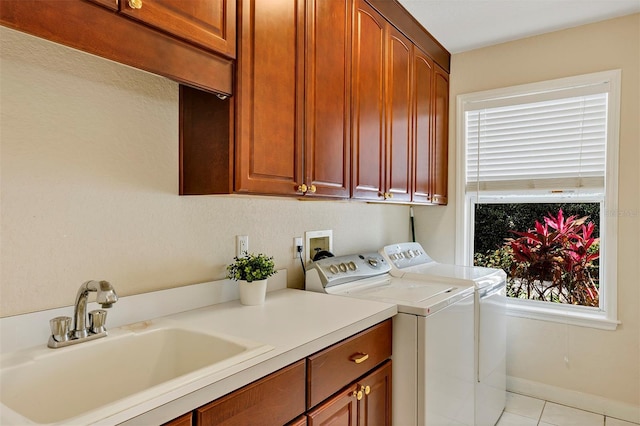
pixel 565 314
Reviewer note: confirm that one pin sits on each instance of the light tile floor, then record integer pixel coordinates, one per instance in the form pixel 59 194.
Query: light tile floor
pixel 522 410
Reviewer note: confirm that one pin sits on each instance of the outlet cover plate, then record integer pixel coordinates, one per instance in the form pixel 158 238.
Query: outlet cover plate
pixel 321 240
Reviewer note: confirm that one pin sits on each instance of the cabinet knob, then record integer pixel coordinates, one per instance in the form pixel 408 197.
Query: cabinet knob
pixel 135 4
pixel 303 188
pixel 387 195
pixel 312 189
pixel 357 395
pixel 366 389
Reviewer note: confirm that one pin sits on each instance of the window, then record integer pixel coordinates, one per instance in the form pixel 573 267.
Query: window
pixel 537 194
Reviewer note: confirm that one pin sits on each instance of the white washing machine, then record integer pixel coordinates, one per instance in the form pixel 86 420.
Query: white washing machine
pixel 433 336
pixel 410 261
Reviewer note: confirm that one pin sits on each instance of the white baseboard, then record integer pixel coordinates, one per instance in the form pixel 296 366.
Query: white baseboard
pixel 571 398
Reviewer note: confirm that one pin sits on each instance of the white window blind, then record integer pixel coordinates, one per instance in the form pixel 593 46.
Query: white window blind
pixel 554 144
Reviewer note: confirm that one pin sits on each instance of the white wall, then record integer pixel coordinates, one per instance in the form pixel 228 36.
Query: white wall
pixel 603 372
pixel 89 183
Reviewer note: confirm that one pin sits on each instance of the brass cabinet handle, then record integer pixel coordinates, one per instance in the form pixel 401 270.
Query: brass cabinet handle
pixel 357 395
pixel 312 189
pixel 359 358
pixel 366 389
pixel 387 195
pixel 303 188
pixel 135 4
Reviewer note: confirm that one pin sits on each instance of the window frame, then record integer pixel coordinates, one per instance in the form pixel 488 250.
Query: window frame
pixel 605 316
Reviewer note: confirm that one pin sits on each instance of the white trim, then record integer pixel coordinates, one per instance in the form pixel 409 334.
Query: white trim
pixel 572 398
pixel 538 88
pixel 582 316
pixel 609 244
pixel 606 317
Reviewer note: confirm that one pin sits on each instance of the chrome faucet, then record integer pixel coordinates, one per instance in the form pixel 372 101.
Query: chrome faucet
pixel 61 335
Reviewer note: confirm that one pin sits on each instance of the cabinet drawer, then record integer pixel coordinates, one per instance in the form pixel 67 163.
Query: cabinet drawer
pixel 337 366
pixel 184 420
pixel 275 400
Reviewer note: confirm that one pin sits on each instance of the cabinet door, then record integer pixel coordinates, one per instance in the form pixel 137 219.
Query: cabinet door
pixel 422 136
pixel 375 407
pixel 398 119
pixel 208 23
pixel 368 120
pixel 440 156
pixel 274 400
pixel 339 410
pixel 327 97
pixel 269 104
pixel 300 421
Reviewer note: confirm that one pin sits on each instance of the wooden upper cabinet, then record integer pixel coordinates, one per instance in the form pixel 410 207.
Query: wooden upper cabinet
pixel 368 120
pixel 89 27
pixel 269 100
pixel 207 23
pixel 328 97
pixel 331 100
pixel 382 120
pixel 423 76
pixel 398 95
pixel 440 153
pixel 109 4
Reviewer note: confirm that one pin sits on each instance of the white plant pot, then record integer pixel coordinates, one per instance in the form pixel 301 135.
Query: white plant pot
pixel 252 293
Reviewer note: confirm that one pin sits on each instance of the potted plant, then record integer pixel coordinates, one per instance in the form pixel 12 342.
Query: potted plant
pixel 251 271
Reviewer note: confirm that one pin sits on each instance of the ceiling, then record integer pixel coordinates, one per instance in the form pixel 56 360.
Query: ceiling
pixel 461 25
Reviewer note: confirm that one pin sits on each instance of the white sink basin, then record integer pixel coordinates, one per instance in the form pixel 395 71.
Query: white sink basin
pixel 57 385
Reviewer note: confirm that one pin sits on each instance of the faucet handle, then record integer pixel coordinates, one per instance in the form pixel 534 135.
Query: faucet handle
pixel 60 327
pixel 97 319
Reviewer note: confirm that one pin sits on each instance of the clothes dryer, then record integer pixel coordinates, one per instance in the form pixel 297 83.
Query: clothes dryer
pixel 410 261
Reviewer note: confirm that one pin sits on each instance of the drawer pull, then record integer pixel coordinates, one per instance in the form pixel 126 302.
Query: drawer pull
pixel 366 389
pixel 357 395
pixel 359 358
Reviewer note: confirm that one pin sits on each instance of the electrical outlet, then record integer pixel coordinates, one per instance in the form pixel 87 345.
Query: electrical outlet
pixel 242 245
pixel 297 242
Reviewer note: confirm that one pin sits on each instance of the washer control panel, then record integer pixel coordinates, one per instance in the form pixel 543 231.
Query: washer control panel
pixel 404 255
pixel 341 269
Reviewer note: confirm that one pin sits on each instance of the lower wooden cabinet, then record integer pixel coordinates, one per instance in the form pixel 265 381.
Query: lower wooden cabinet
pixel 348 383
pixel 185 420
pixel 365 402
pixel 274 400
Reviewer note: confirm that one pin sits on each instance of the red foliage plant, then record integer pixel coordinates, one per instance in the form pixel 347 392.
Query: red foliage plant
pixel 554 260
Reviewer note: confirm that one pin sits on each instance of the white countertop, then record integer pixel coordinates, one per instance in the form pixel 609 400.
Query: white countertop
pixel 295 323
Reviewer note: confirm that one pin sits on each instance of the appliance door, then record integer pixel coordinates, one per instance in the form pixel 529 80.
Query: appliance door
pixel 446 365
pixel 492 353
